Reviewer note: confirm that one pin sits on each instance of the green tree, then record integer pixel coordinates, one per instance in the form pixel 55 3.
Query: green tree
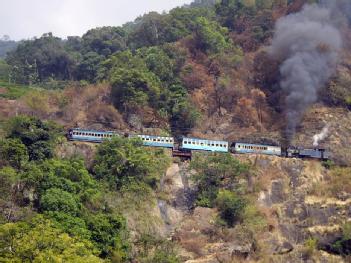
pixel 13 152
pixel 36 135
pixel 40 241
pixel 55 199
pixel 4 70
pixel 107 233
pixel 230 206
pixel 132 88
pixel 8 178
pixel 45 57
pixel 229 10
pixel 214 172
pixel 210 36
pixel 121 162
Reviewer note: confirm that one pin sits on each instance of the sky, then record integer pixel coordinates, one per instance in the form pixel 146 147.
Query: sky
pixel 23 19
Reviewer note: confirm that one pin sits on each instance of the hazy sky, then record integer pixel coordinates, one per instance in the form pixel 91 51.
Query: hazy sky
pixel 22 19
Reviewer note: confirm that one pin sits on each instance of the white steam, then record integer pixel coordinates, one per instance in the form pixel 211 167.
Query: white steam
pixel 321 136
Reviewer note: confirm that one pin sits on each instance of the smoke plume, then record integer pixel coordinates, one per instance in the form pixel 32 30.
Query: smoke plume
pixel 321 136
pixel 307 44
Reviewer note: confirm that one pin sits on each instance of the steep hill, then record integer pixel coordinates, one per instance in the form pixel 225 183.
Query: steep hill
pixel 237 70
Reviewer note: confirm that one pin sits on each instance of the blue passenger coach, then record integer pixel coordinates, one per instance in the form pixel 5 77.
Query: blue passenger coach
pixel 257 148
pixel 90 135
pixel 204 145
pixel 156 141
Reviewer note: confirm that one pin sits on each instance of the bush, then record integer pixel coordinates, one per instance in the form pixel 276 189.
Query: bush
pixel 230 206
pixel 311 245
pixel 58 200
pixel 36 135
pixel 214 172
pixel 122 161
pixel 13 152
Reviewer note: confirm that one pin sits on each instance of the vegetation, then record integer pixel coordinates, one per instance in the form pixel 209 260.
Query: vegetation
pixel 174 71
pixel 338 183
pixel 342 246
pixel 122 162
pixel 217 179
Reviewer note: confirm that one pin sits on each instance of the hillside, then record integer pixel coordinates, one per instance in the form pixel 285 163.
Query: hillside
pixel 264 71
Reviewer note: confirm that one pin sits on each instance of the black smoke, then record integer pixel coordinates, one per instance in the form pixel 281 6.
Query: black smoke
pixel 307 45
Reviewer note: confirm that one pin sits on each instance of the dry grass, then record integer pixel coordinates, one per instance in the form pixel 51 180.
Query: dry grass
pixel 195 245
pixel 336 184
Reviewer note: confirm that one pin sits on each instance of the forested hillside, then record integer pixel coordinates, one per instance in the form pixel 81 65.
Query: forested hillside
pixel 232 69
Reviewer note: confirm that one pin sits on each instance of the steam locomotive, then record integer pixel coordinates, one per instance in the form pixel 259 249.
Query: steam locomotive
pixel 185 146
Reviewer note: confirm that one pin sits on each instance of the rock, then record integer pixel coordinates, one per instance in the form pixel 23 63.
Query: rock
pixel 241 250
pixel 284 248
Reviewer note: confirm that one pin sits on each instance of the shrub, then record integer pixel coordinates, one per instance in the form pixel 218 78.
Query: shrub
pixel 38 136
pixel 212 173
pixel 122 161
pixel 311 245
pixel 13 152
pixel 58 200
pixel 230 206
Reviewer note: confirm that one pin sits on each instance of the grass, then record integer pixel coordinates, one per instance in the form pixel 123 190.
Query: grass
pixel 14 91
pixel 338 182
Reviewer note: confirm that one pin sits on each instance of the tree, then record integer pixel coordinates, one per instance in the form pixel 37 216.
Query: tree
pixel 107 234
pixel 13 152
pixel 132 88
pixel 230 206
pixel 58 200
pixel 36 135
pixel 40 241
pixel 40 59
pixel 121 162
pixel 214 172
pixel 147 30
pixel 210 36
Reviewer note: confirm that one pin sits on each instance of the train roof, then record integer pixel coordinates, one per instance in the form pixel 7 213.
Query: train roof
pixel 199 139
pixel 95 131
pixel 152 136
pixel 256 144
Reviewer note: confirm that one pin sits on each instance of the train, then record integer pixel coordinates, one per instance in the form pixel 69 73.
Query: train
pixel 184 146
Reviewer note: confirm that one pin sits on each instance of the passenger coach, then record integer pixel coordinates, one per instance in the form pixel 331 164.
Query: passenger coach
pixel 155 141
pixel 204 145
pixel 257 148
pixel 89 135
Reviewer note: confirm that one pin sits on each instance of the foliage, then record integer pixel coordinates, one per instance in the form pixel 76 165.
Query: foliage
pixel 39 59
pixel 8 178
pixel 338 182
pixel 55 199
pixel 338 93
pixel 6 45
pixel 134 87
pixel 210 36
pixel 342 245
pixel 4 70
pixel 13 152
pixel 311 245
pixel 67 194
pixel 13 91
pixel 39 241
pixel 155 250
pixel 123 161
pixel 230 206
pixel 36 135
pixel 106 233
pixel 214 172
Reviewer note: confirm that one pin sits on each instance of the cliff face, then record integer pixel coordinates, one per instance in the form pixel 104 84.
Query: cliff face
pixel 297 223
